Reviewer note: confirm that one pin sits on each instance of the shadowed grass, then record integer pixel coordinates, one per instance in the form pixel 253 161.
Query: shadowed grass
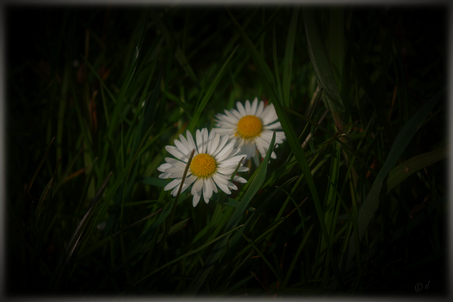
pixel 346 208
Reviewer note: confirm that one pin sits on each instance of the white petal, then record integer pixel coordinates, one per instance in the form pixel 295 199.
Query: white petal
pixel 232 185
pixel 235 152
pixel 259 111
pixel 211 135
pixel 186 184
pixel 226 171
pixel 207 190
pixel 221 183
pixel 220 178
pixel 172 184
pixel 225 152
pixel 213 143
pixel 241 109
pixel 189 180
pixel 243 169
pixel 191 142
pixel 256 160
pixel 178 174
pixel 205 134
pixel 228 120
pixel 199 138
pixel 262 146
pixel 254 106
pixel 213 186
pixel 266 112
pixel 223 141
pixel 185 142
pixel 197 186
pixel 210 142
pixel 248 149
pixel 240 179
pixel 231 117
pixel 248 108
pixel 165 175
pixel 176 153
pixel 232 161
pixel 240 143
pixel 174 162
pixel 236 114
pixel 163 167
pixel 174 170
pixel 276 125
pixel 267 136
pixel 273 155
pixel 196 199
pixel 271 115
pixel 181 147
pixel 174 192
pixel 223 131
pixel 280 135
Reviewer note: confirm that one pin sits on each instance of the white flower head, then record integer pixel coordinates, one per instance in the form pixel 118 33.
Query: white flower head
pixel 252 126
pixel 214 161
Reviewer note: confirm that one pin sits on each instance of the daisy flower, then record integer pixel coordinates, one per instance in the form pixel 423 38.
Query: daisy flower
pixel 214 161
pixel 252 127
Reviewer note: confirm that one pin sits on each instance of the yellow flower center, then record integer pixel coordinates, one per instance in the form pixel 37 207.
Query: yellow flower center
pixel 203 165
pixel 249 126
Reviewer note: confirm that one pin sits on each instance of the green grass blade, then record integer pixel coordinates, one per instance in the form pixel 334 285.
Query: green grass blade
pixel 254 53
pixel 296 256
pixel 278 86
pixel 179 54
pixel 175 99
pixel 401 142
pixel 320 60
pixel 39 166
pixel 187 254
pixel 133 159
pixel 288 59
pixel 106 240
pixel 120 102
pixel 336 42
pixel 276 274
pixel 53 285
pixel 416 163
pixel 209 92
pixel 421 217
pixel 359 69
pixel 42 198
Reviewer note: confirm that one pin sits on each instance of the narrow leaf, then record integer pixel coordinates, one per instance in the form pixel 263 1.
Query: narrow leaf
pixel 318 57
pixel 416 163
pixel 401 142
pixel 56 277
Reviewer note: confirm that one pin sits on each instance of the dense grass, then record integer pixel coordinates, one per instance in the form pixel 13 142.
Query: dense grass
pixel 354 204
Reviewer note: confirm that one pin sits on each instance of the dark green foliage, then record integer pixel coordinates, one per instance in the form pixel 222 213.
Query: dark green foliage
pixel 354 203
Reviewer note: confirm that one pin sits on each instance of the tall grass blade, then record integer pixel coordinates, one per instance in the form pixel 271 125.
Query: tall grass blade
pixel 321 64
pixel 288 60
pixel 39 166
pixel 416 163
pixel 188 254
pixel 136 56
pixel 401 142
pixel 56 277
pixel 209 92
